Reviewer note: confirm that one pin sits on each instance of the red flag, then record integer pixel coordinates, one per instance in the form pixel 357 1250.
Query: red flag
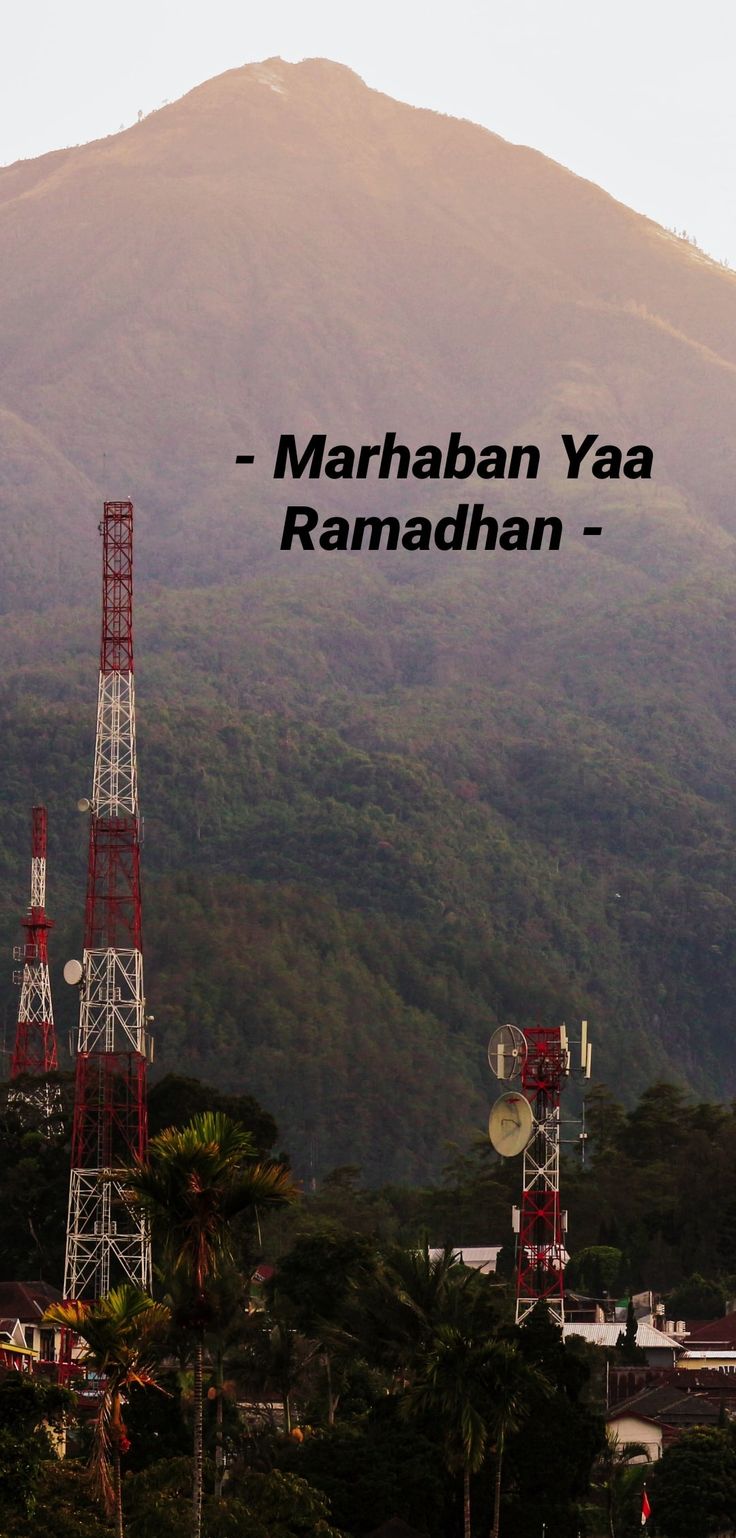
pixel 646 1510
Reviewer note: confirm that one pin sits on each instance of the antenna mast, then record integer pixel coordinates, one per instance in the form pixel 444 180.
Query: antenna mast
pixel 540 1262
pixel 106 1240
pixel 35 1053
pixel 541 1056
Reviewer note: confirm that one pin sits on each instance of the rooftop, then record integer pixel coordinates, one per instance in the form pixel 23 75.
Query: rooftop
pixel 609 1335
pixel 669 1405
pixel 713 1335
pixel 27 1301
pixel 477 1258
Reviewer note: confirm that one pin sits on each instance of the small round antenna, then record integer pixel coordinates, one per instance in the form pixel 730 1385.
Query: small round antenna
pixel 73 973
pixel 83 805
pixel 507 1051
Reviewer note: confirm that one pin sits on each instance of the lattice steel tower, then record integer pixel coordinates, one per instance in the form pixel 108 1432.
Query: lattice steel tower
pixel 540 1264
pixel 541 1256
pixel 35 1053
pixel 108 1242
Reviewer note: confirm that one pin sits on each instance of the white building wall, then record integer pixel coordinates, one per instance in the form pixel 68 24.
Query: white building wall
pixel 628 1428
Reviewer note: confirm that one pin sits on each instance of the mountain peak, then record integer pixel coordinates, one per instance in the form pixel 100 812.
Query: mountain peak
pixel 519 768
pixel 286 249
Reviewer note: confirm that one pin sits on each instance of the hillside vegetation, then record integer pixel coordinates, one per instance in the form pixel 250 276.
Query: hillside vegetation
pixel 389 800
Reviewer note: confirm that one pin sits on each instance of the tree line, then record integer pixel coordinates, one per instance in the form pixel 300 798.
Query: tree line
pixel 312 1364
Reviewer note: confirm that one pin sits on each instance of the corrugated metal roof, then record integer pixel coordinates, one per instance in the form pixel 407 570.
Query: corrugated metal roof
pixel 608 1335
pixel 726 1355
pixel 477 1257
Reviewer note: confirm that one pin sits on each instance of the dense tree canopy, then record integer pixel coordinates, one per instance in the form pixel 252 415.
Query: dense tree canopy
pixel 693 1487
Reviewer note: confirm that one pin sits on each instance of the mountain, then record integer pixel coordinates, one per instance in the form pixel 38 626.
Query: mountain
pixel 391 799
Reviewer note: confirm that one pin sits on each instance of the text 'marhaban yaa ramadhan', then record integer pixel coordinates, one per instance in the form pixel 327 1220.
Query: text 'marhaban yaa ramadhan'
pixel 467 529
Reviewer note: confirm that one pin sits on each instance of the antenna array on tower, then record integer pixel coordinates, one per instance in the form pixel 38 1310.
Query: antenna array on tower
pixel 542 1057
pixel 35 1055
pixel 107 1240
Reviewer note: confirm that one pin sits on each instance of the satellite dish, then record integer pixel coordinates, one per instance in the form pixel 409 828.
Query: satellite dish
pixel 83 805
pixel 511 1124
pixel 507 1051
pixel 73 973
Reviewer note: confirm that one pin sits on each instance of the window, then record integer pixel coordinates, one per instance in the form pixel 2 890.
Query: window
pixel 47 1352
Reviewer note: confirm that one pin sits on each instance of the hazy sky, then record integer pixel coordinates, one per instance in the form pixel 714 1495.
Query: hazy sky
pixel 638 95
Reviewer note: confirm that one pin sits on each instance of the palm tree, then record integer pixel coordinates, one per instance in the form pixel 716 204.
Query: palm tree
pixel 451 1391
pixel 513 1385
pixel 194 1183
pixel 478 1389
pixel 611 1470
pixel 121 1334
pixel 398 1313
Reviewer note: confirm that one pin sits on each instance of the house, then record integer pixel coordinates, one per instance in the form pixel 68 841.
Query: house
pixel 625 1383
pixel 661 1350
pixel 14 1353
pixel 26 1304
pixel 709 1345
pixel 657 1416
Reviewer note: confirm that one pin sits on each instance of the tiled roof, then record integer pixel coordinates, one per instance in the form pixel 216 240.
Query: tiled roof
pixel 712 1335
pixel 669 1406
pixel 27 1301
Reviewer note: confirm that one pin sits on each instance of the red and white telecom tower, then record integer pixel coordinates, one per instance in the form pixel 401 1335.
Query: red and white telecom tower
pixel 529 1123
pixel 35 1053
pixel 107 1241
pixel 540 1259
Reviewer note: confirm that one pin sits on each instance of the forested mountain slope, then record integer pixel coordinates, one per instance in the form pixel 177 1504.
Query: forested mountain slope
pixel 390 800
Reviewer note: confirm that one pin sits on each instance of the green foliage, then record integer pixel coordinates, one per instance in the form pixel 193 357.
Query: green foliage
pixel 63 1506
pixel 656 1188
pixel 389 800
pixel 174 1100
pixel 271 1505
pixel 157 1498
pixel 629 1352
pixel 551 1458
pixel 697 1298
pixel 599 1271
pixel 121 1337
pixel 321 1271
pixel 34 1194
pixel 396 1315
pixel 156 1425
pixel 277 1505
pixel 195 1182
pixel 20 1459
pixel 451 1393
pixel 24 1405
pixel 34 1169
pixel 343 907
pixel 26 1400
pixel 372 1470
pixel 693 1487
